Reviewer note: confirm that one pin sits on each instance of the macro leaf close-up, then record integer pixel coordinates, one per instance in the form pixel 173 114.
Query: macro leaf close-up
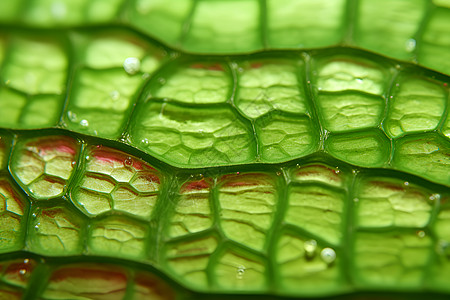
pixel 224 149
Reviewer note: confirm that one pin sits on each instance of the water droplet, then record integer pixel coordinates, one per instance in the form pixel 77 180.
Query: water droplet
pixel 84 123
pixel 298 166
pixel 406 183
pixel 442 246
pixel 278 173
pixel 115 95
pixel 310 248
pixel 74 163
pixel 22 271
pixel 355 199
pixel 26 260
pixel 410 45
pixel 240 272
pixel 88 158
pixel 397 84
pixel 421 233
pixel 132 65
pixel 434 197
pixel 72 116
pixel 162 81
pixel 145 141
pixel 34 215
pixel 145 76
pixel 128 162
pixel 328 255
pixel 359 80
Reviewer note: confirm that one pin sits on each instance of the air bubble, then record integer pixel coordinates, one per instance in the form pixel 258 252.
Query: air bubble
pixel 132 65
pixel 84 123
pixel 328 255
pixel 434 197
pixel 115 95
pixel 421 233
pixel 310 248
pixel 128 162
pixel 72 116
pixel 240 272
pixel 410 45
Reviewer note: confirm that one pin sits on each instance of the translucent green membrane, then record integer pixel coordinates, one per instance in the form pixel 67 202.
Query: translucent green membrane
pixel 206 149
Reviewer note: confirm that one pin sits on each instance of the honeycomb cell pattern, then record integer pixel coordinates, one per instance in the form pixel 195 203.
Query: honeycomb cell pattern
pixel 291 148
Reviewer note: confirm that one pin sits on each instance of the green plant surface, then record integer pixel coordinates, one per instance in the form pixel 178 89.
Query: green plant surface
pixel 214 149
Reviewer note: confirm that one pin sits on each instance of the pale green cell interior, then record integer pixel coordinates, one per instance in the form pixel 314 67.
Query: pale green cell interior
pixel 270 86
pixel 47 13
pixel 55 230
pixel 117 236
pixel 349 73
pixel 436 42
pixel 189 260
pixel 12 216
pixel 427 155
pixel 192 136
pixel 317 210
pixel 165 22
pixel 282 138
pixel 100 104
pixel 212 30
pixel 400 22
pixel 391 260
pixel 387 202
pixel 192 213
pixel 351 110
pixel 321 23
pixel 196 85
pixel 297 270
pixel 36 66
pixel 366 149
pixel 44 165
pixel 247 208
pixel 240 273
pixel 417 105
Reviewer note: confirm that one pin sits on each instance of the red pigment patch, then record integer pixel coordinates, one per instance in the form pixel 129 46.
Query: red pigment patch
pixel 256 65
pixel 19 271
pixel 390 186
pixel 248 179
pixel 196 186
pixel 212 67
pixel 10 294
pixel 312 170
pixel 51 213
pixel 87 273
pixel 153 287
pixel 109 155
pixel 61 144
